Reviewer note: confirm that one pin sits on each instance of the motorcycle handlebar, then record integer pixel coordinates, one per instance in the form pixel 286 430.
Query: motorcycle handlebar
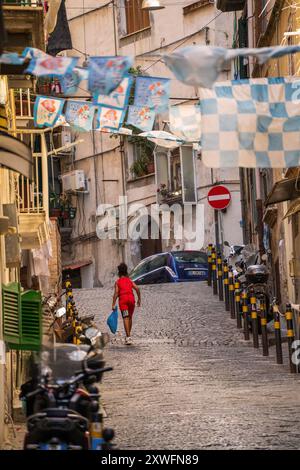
pixel 76 379
pixel 88 373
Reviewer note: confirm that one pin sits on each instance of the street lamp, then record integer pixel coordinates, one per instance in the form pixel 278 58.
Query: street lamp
pixel 151 5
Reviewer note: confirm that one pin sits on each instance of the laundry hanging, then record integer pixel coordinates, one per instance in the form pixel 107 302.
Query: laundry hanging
pixel 200 66
pixel 185 121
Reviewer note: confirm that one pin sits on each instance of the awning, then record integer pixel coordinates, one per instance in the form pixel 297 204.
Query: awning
pixel 79 264
pixel 293 209
pixel 284 190
pixel 15 155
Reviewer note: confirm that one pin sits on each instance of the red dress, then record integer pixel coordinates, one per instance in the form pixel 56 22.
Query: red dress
pixel 126 295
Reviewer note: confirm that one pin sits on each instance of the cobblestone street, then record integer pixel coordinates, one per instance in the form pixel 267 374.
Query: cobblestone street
pixel 190 380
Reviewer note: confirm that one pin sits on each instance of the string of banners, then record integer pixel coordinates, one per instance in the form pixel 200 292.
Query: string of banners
pixel 248 123
pixel 151 97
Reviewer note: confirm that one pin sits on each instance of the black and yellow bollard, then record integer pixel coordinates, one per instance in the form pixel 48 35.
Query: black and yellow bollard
pixel 220 277
pixel 276 316
pixel 226 285
pixel 237 299
pixel 290 336
pixel 214 271
pixel 231 293
pixel 245 315
pixel 262 312
pixel 68 284
pixel 254 319
pixel 209 259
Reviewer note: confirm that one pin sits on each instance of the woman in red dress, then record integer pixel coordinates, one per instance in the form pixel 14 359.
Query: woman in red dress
pixel 124 288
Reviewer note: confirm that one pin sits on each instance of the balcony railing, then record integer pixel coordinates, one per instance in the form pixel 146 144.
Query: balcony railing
pixel 23 3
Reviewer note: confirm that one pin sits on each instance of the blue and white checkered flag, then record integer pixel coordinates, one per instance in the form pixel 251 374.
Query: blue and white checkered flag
pixel 251 123
pixel 185 122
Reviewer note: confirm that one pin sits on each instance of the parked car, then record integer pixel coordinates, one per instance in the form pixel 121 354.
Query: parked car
pixel 175 266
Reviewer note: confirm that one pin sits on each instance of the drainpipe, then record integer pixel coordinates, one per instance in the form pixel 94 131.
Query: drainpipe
pixel 45 182
pixel 250 33
pixel 122 153
pixel 2 366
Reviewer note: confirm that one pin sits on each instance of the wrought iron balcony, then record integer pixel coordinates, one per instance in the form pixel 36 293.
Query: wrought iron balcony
pixel 230 5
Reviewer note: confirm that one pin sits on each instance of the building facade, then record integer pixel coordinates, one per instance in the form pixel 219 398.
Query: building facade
pixel 112 164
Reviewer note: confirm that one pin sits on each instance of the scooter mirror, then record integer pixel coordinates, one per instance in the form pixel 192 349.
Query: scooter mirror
pixel 264 257
pixel 60 312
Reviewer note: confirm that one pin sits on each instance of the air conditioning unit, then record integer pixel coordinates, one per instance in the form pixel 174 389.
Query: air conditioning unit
pixel 73 181
pixel 62 139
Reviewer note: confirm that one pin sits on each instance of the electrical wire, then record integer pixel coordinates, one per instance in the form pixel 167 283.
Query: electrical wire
pixel 184 41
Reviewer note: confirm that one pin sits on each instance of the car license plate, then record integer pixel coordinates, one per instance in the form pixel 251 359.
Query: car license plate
pixel 196 273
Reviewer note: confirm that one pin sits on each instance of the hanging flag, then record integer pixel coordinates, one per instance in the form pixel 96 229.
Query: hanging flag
pixel 60 37
pixel 163 139
pixel 141 117
pixel 152 92
pixel 47 111
pixel 200 66
pixel 11 58
pixel 106 73
pixel 48 65
pixel 110 118
pixel 80 114
pixel 185 122
pixel 117 98
pixel 33 52
pixel 251 123
pixel 74 81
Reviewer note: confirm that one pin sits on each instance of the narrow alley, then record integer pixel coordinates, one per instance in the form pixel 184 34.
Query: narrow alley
pixel 190 380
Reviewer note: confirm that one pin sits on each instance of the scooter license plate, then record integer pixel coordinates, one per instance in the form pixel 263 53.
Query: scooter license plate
pixel 53 447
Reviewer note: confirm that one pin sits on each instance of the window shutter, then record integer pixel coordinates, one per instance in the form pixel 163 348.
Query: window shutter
pixel 22 318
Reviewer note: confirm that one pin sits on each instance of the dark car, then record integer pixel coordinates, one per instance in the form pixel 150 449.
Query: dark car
pixel 175 266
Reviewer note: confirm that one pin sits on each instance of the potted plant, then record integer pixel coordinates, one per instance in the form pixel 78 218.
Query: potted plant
pixel 55 205
pixel 151 167
pixel 163 190
pixel 139 167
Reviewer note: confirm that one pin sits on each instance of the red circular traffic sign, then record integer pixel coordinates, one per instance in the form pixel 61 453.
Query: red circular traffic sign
pixel 219 197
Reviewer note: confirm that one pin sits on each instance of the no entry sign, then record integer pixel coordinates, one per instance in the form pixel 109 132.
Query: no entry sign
pixel 219 197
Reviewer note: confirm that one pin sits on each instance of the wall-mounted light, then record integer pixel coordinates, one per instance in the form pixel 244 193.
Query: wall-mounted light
pixel 151 5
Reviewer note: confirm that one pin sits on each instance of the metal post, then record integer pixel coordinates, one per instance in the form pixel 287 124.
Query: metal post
pixel 290 336
pixel 245 315
pixel 220 277
pixel 209 274
pixel 231 293
pixel 276 315
pixel 237 299
pixel 214 271
pixel 263 324
pixel 45 182
pixel 254 320
pixel 226 286
pixel 237 303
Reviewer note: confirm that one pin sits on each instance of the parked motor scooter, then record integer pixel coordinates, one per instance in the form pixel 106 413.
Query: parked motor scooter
pixel 253 275
pixel 234 254
pixel 63 410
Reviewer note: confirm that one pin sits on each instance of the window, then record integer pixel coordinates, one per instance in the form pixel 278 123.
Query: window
pixel 189 192
pixel 175 175
pixel 140 269
pixel 136 18
pixel 158 262
pixel 190 256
